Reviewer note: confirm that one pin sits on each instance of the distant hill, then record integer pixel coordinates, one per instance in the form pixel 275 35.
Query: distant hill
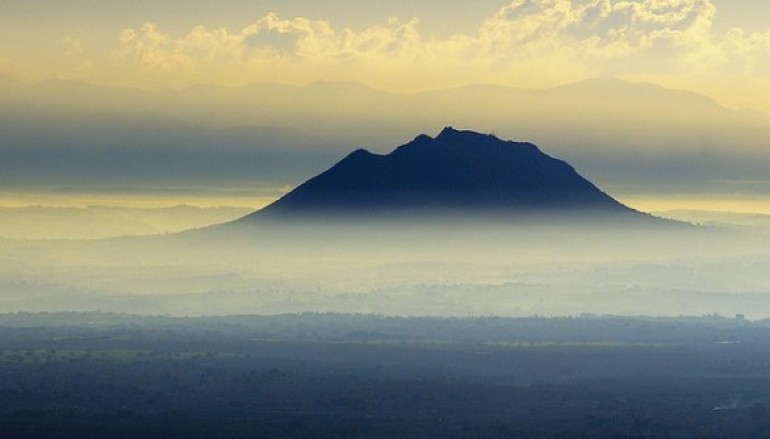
pixel 457 172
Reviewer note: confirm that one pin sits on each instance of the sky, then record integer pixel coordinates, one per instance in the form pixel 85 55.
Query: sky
pixel 719 49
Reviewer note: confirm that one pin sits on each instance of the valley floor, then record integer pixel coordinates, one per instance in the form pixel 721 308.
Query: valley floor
pixel 354 376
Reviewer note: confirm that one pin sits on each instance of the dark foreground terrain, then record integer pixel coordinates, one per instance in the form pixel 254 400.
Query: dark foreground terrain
pixel 342 376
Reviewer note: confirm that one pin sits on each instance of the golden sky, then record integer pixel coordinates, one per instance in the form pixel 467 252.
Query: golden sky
pixel 715 47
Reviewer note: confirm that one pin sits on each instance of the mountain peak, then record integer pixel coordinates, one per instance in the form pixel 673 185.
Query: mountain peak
pixel 458 171
pixel 449 134
pixel 448 131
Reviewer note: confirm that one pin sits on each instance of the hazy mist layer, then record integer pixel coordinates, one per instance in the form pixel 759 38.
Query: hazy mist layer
pixel 630 139
pixel 425 267
pixel 95 222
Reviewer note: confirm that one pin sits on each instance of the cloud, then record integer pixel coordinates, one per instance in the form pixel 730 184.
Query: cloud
pixel 747 53
pixel 597 33
pixel 556 39
pixel 269 43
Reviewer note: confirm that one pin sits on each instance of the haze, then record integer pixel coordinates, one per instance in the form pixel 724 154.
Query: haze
pixel 156 117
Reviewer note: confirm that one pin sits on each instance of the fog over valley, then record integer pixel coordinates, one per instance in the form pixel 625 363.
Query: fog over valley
pixel 426 266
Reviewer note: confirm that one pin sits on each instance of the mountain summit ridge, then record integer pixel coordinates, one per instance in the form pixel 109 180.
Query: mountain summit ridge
pixel 458 171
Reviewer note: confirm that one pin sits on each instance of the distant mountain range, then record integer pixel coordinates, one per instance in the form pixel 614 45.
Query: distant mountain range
pixel 455 173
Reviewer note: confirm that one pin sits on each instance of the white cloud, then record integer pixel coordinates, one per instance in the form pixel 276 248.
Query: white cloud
pixel 556 39
pixel 595 30
pixel 271 37
pixel 747 53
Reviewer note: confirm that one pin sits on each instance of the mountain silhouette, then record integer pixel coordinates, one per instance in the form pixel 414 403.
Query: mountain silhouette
pixel 462 172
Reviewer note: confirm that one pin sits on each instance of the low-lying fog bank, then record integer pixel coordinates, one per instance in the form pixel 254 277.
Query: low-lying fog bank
pixel 105 221
pixel 411 269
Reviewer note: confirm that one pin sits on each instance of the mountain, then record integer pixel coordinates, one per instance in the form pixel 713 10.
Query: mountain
pixel 457 172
